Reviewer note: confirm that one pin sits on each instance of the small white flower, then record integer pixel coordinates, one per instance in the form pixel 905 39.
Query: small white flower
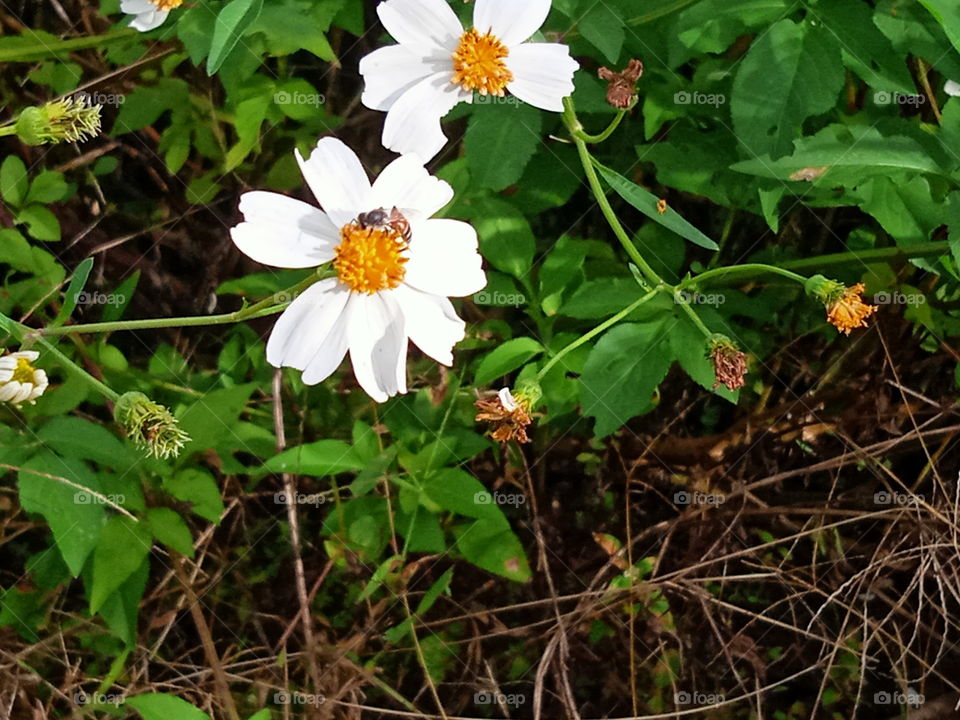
pixel 952 88
pixel 395 267
pixel 148 14
pixel 20 381
pixel 438 65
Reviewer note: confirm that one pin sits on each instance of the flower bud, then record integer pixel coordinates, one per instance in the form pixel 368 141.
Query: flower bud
pixel 150 425
pixel 67 120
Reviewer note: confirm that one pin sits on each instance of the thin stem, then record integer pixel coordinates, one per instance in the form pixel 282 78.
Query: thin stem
pixel 8 130
pixel 48 49
pixel 611 128
pixel 929 249
pixel 573 124
pixel 692 314
pixel 25 335
pixel 268 306
pixel 605 325
pixel 749 269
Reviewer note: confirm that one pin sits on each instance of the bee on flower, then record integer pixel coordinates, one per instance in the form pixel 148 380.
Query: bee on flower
pixel 20 381
pixel 395 267
pixel 148 14
pixel 438 64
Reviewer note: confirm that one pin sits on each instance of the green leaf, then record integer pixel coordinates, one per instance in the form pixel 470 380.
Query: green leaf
pixel 502 136
pixel 792 71
pixel 75 520
pixel 324 457
pixel 47 187
pixel 647 203
pixel 947 13
pixel 123 545
pixel 200 489
pixel 233 19
pixel 121 609
pixel 506 239
pixel 506 358
pixel 13 181
pixel 493 548
pixel 41 223
pixel 209 419
pixel 158 706
pixel 170 529
pixel 906 210
pixel 262 715
pixel 15 251
pixel 457 491
pixel 79 438
pixel 70 298
pixel 689 347
pixel 604 29
pixel 622 373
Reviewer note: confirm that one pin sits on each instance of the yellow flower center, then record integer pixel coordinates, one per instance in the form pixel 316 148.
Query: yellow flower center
pixel 849 311
pixel 478 64
pixel 167 4
pixel 370 259
pixel 23 372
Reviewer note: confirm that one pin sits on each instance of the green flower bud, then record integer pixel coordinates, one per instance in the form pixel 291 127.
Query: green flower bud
pixel 68 120
pixel 150 425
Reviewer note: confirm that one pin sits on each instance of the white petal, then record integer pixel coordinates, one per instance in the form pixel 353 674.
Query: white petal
pixel 25 390
pixel 337 179
pixel 542 74
pixel 5 375
pixel 507 400
pixel 329 353
pixel 511 21
pixel 40 378
pixel 444 259
pixel 29 355
pixel 144 22
pixel 392 70
pixel 431 322
pixel 9 390
pixel 284 232
pixel 413 123
pixel 378 344
pixel 952 88
pixel 406 184
pixel 302 329
pixel 430 25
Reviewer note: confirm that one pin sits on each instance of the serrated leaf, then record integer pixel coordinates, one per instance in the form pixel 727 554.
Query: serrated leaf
pixel 233 19
pixel 502 136
pixel 506 358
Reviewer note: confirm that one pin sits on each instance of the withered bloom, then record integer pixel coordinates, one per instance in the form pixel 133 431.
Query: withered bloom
pixel 509 416
pixel 622 88
pixel 729 363
pixel 846 309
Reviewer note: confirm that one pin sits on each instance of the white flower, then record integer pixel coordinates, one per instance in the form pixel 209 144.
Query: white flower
pixel 392 282
pixel 952 88
pixel 20 381
pixel 438 65
pixel 149 14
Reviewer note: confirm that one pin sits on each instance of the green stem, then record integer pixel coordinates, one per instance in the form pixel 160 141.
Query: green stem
pixel 573 124
pixel 692 314
pixel 265 307
pixel 611 129
pixel 748 269
pixel 928 249
pixel 24 334
pixel 8 130
pixel 602 327
pixel 52 49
